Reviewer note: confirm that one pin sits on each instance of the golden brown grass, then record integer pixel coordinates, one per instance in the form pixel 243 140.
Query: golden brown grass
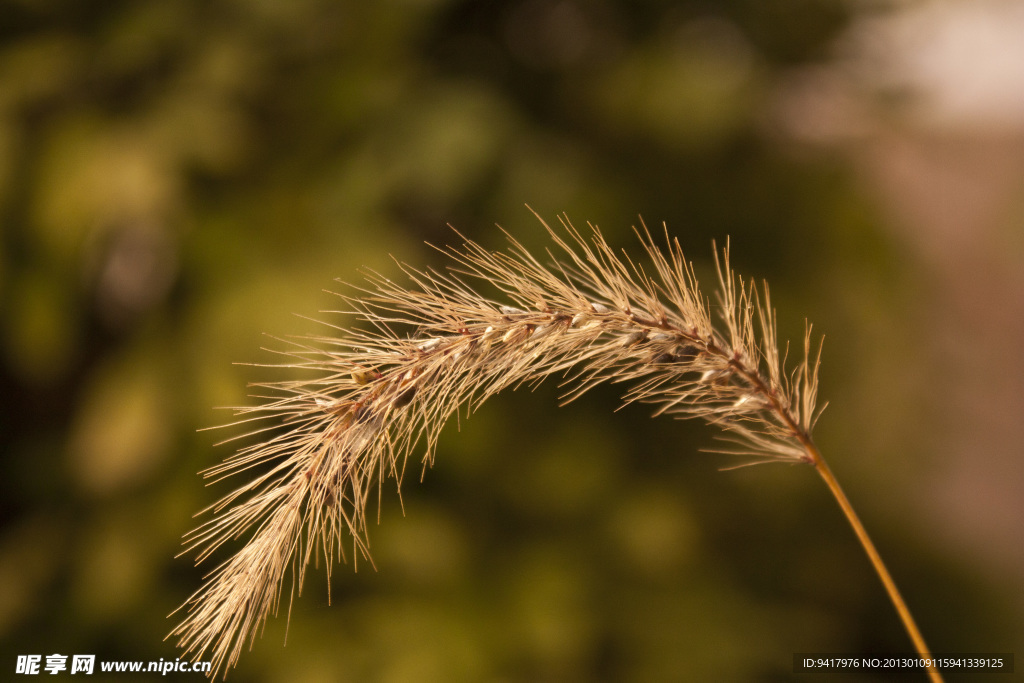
pixel 430 349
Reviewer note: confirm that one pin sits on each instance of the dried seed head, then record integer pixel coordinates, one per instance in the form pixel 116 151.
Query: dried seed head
pixel 433 340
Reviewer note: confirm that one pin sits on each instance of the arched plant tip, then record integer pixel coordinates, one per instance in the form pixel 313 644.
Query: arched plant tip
pixel 314 448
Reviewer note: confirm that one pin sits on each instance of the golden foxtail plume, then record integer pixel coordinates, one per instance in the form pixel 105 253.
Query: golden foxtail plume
pixel 423 351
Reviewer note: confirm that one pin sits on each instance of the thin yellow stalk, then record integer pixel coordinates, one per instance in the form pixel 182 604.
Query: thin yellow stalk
pixel 876 559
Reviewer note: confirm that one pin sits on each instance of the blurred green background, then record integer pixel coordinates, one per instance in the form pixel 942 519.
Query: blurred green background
pixel 178 179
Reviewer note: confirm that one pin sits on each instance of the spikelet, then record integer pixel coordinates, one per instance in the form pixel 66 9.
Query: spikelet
pixel 435 347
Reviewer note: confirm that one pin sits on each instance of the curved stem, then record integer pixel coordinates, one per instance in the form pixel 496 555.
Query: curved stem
pixel 876 559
